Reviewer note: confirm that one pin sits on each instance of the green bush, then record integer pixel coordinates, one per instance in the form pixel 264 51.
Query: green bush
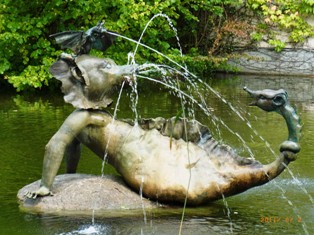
pixel 284 15
pixel 205 29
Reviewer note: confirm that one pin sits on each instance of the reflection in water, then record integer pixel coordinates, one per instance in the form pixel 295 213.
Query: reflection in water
pixel 27 124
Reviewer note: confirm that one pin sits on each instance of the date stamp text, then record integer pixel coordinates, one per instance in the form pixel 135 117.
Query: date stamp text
pixel 275 219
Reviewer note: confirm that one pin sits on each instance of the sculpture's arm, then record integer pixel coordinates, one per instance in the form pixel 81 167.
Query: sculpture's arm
pixel 72 155
pixel 61 143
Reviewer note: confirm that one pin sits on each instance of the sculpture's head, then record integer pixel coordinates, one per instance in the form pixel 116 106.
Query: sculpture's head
pixel 268 100
pixel 277 100
pixel 88 82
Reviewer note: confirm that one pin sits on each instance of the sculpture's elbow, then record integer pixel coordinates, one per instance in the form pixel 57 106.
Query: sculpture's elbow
pixel 275 168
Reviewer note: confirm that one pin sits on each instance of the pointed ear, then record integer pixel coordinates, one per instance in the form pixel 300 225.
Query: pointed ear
pixel 84 74
pixel 60 70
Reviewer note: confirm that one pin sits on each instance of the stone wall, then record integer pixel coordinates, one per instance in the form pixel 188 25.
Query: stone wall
pixel 295 59
pixel 290 61
pixel 300 89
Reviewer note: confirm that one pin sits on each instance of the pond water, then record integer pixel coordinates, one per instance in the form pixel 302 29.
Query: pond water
pixel 283 206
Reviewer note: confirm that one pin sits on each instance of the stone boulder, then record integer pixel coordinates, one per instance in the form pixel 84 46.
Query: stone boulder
pixel 81 194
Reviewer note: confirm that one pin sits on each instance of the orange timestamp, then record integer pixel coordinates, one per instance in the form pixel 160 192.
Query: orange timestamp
pixel 275 219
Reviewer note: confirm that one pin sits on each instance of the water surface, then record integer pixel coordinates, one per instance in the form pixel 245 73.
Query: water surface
pixel 283 206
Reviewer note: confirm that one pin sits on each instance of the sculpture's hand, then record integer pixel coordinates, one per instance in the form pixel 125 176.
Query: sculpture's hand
pixel 41 192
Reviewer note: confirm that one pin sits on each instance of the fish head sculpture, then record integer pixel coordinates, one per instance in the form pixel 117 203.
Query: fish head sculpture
pixel 268 100
pixel 277 101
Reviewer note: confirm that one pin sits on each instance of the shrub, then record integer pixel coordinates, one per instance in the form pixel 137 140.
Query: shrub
pixel 205 29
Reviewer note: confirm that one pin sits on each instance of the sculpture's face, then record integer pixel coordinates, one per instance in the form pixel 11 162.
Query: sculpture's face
pixel 99 75
pixel 87 81
pixel 269 100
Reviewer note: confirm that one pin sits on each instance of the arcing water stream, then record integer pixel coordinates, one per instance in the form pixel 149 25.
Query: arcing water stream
pixel 187 98
pixel 23 139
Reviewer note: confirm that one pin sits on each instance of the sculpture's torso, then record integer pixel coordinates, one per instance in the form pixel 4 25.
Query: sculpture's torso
pixel 146 161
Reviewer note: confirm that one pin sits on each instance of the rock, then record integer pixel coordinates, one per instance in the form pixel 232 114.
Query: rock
pixel 81 194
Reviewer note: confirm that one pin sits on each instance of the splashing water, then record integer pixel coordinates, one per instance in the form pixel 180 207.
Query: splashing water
pixel 187 74
pixel 299 183
pixel 171 26
pixel 156 51
pixel 112 122
pixel 295 209
pixel 134 99
pixel 227 208
pixel 88 230
pixel 206 111
pixel 183 95
pixel 141 195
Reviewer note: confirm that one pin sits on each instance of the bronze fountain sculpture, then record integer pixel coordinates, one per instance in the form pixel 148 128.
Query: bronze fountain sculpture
pixel 141 153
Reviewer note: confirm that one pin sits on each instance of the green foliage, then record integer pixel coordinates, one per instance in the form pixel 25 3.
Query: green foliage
pixel 203 66
pixel 25 28
pixel 285 15
pixel 278 44
pixel 205 28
